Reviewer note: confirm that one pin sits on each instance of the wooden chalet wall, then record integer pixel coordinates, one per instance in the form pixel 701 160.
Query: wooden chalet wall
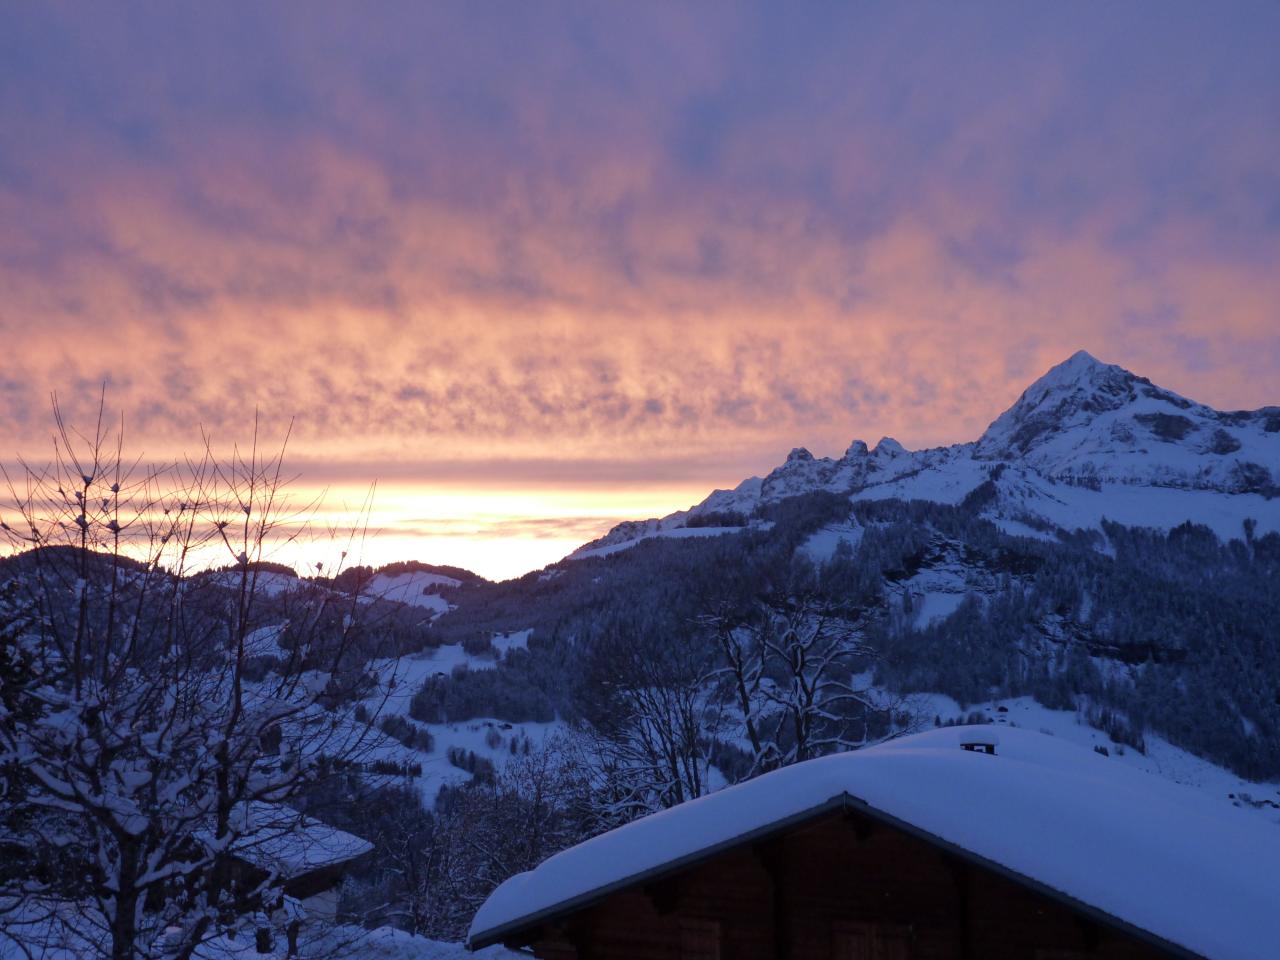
pixel 841 888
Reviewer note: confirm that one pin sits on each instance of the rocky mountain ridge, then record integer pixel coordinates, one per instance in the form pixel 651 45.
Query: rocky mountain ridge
pixel 1085 427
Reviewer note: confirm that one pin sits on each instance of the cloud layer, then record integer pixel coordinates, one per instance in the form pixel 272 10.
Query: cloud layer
pixel 447 236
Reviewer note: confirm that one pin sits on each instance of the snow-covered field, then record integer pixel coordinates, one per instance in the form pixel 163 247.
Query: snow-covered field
pixel 488 738
pixel 1161 759
pixel 474 736
pixel 822 544
pixel 401 677
pixel 414 589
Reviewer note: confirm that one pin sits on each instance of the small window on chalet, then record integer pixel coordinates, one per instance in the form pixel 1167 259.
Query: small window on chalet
pixel 870 941
pixel 699 940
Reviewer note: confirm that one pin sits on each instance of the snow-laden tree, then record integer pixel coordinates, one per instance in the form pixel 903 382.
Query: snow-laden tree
pixel 650 720
pixel 431 870
pixel 148 732
pixel 537 804
pixel 794 666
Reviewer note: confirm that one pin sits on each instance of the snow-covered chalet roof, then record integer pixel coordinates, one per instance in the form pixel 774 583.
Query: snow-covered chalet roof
pixel 1141 850
pixel 283 841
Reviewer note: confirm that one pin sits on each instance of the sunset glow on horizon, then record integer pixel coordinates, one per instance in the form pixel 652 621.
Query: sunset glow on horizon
pixel 535 269
pixel 500 533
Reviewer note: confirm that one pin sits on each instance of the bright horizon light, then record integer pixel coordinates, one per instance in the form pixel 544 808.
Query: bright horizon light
pixel 498 534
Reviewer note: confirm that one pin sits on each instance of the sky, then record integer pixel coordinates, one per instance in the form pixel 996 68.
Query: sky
pixel 535 268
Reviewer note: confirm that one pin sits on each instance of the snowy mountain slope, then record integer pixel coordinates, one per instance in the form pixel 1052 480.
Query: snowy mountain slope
pixel 1025 502
pixel 1088 441
pixel 630 535
pixel 1086 419
pixel 413 588
pixel 397 680
pixel 1160 757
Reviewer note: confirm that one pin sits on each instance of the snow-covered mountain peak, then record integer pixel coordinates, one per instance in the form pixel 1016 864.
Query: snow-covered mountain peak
pixel 1071 394
pixel 856 451
pixel 1086 431
pixel 1096 421
pixel 1081 364
pixel 889 448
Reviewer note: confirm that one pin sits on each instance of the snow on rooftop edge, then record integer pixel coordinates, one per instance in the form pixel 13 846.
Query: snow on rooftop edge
pixel 1141 849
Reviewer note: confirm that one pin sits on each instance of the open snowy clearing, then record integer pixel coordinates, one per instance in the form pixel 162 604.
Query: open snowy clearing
pixel 414 589
pixel 1162 759
pixel 401 677
pixel 822 544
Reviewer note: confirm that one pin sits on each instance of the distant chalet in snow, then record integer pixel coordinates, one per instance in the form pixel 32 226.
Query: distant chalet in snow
pixel 920 848
pixel 306 857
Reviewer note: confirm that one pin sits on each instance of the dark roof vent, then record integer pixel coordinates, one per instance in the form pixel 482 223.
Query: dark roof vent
pixel 986 746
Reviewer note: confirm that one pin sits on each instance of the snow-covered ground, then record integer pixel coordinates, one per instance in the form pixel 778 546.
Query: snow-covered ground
pixel 936 604
pixel 938 589
pixel 477 736
pixel 516 640
pixel 822 544
pixel 401 677
pixel 77 936
pixel 1162 758
pixel 388 943
pixel 488 738
pixel 414 589
pixel 948 479
pixel 1162 508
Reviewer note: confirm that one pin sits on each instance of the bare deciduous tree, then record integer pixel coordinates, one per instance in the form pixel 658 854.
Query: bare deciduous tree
pixel 651 722
pixel 149 732
pixel 794 666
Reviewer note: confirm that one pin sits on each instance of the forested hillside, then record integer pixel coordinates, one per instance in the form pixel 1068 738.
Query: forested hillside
pixel 1169 631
